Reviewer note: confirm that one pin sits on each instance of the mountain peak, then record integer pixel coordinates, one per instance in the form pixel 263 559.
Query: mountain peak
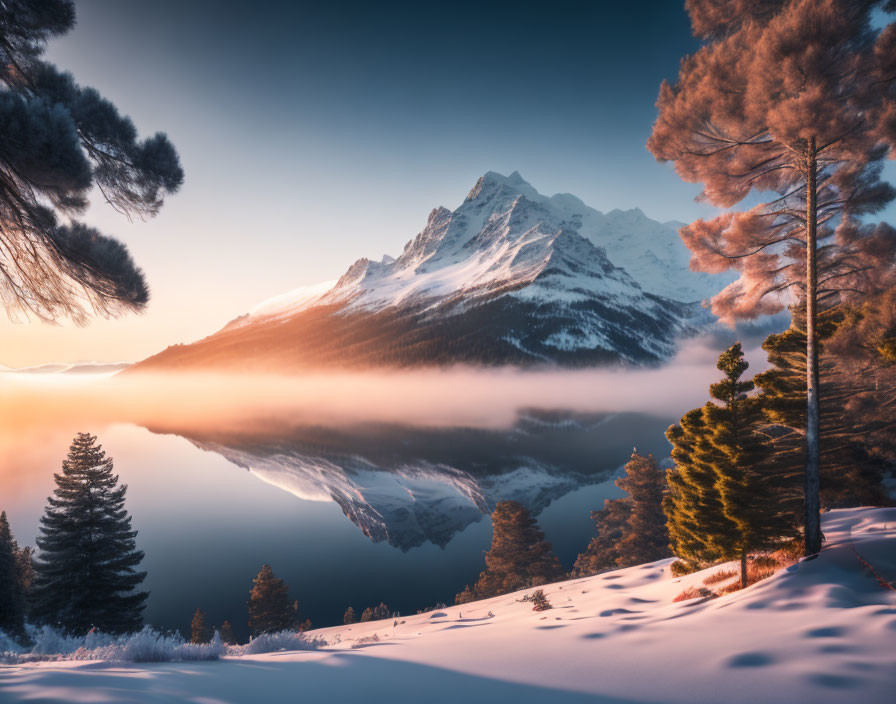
pixel 491 181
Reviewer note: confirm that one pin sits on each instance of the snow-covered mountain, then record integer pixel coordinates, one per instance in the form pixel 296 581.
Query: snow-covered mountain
pixel 510 276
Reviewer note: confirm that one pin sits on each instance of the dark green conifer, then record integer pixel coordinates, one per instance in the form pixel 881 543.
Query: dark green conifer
pixel 728 495
pixel 270 609
pixel 85 574
pixel 851 472
pixel 349 616
pixel 12 592
pixel 692 505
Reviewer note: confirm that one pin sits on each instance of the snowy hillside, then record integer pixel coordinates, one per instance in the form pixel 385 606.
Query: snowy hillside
pixel 509 277
pixel 822 631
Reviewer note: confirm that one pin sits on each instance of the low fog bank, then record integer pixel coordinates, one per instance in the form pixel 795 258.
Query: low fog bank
pixel 450 397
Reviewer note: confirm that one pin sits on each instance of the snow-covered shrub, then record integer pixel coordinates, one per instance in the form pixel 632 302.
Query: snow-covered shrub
pixel 148 645
pixel 48 641
pixel 281 640
pixel 151 646
pixel 8 645
pixel 366 640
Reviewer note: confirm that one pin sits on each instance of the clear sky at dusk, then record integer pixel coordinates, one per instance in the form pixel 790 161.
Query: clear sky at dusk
pixel 315 133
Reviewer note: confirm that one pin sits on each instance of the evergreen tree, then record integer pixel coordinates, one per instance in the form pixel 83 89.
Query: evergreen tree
pixel 24 561
pixel 85 574
pixel 12 593
pixel 754 499
pixel 646 538
pixel 519 556
pixel 602 552
pixel 729 496
pixel 270 609
pixel 693 506
pixel 200 631
pixel 226 633
pixel 349 616
pixel 631 530
pixel 376 613
pixel 857 404
pixel 792 99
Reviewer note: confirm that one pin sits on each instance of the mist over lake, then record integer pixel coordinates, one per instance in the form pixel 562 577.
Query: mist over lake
pixel 385 498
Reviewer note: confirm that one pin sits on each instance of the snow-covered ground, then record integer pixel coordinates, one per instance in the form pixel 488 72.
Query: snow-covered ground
pixel 822 631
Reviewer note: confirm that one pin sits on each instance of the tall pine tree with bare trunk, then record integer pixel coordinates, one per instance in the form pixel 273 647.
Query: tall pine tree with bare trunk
pixel 795 98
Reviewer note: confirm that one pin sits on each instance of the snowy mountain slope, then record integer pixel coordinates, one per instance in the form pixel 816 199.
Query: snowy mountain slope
pixel 506 234
pixel 822 631
pixel 509 277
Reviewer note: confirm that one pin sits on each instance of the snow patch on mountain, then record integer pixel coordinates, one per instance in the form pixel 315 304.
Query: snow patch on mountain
pixel 508 238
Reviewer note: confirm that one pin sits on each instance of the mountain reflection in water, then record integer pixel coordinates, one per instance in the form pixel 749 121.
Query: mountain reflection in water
pixel 408 486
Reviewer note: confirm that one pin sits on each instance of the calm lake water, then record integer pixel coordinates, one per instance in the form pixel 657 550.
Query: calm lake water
pixel 347 516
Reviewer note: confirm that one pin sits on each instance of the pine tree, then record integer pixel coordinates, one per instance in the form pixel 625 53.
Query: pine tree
pixel 349 616
pixel 12 593
pixel 646 539
pixel 693 506
pixel 226 633
pixel 631 530
pixel 602 552
pixel 376 613
pixel 85 574
pixel 728 495
pixel 62 140
pixel 200 631
pixel 270 609
pixel 519 556
pixel 793 99
pixel 855 404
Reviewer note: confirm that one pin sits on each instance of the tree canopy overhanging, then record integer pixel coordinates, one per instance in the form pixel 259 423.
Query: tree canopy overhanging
pixel 59 141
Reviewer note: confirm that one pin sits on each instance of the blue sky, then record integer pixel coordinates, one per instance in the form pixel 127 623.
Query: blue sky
pixel 314 133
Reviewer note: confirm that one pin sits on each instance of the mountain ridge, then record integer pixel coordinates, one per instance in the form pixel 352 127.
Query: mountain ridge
pixel 518 277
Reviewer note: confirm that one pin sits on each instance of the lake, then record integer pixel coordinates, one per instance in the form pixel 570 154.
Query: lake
pixel 356 488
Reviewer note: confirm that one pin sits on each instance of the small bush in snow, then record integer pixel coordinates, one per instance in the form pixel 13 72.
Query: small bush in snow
pixel 272 642
pixel 680 568
pixel 539 600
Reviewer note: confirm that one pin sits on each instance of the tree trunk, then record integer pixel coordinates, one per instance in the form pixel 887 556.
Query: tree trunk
pixel 743 570
pixel 813 508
